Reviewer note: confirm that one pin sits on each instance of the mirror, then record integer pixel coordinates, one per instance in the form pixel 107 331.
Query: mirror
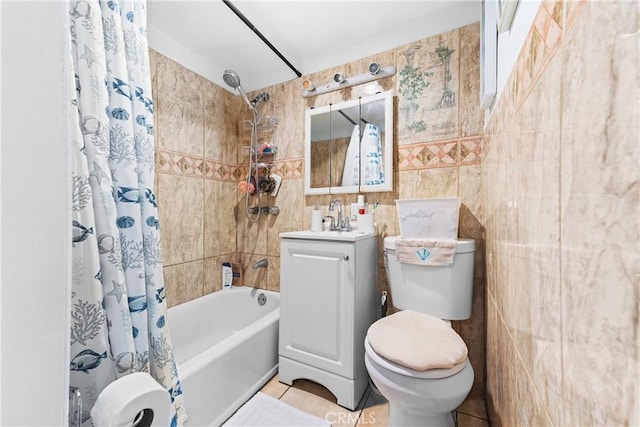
pixel 349 146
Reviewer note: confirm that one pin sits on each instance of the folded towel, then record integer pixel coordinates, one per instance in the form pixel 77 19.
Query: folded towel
pixel 426 251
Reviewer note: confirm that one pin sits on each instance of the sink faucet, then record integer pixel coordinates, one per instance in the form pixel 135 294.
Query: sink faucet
pixel 341 224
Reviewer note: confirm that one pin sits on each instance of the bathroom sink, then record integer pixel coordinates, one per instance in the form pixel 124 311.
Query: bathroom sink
pixel 347 236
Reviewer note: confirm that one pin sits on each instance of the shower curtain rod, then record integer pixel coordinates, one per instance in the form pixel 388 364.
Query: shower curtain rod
pixel 350 119
pixel 346 117
pixel 259 34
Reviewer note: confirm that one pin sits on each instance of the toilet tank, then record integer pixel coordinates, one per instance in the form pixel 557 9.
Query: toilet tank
pixel 445 292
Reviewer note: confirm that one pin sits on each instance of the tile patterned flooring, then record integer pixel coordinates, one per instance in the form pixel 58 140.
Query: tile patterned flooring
pixel 371 411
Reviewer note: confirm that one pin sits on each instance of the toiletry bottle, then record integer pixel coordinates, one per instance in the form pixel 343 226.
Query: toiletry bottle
pixel 227 275
pixel 362 208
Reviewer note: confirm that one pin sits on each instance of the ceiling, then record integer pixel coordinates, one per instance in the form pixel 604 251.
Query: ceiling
pixel 207 37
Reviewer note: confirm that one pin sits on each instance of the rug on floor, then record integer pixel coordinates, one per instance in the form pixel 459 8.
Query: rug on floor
pixel 265 411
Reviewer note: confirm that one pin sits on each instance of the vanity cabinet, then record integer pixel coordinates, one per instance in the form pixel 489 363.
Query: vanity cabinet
pixel 327 303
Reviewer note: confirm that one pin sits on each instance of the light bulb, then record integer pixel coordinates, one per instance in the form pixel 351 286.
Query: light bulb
pixel 374 68
pixel 372 89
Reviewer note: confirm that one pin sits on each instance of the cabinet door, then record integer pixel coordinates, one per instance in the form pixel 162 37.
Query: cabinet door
pixel 317 304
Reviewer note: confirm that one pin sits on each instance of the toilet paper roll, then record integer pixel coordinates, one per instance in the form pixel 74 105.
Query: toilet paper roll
pixel 136 399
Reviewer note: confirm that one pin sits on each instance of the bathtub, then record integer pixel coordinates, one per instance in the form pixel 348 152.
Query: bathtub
pixel 226 349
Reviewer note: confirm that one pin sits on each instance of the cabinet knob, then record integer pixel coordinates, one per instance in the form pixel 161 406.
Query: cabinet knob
pixel 346 257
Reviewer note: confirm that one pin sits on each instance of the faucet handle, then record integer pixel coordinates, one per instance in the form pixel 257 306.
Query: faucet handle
pixel 347 224
pixel 333 222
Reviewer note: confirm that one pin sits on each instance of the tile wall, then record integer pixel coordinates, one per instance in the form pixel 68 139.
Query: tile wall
pixel 438 145
pixel 196 132
pixel 437 154
pixel 561 210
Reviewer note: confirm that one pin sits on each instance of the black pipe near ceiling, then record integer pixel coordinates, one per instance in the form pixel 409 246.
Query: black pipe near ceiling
pixel 259 34
pixel 349 119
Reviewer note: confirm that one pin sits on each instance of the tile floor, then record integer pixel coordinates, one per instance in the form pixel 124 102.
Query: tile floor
pixel 371 411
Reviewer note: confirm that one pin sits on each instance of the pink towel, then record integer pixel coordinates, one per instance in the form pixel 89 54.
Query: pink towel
pixel 425 252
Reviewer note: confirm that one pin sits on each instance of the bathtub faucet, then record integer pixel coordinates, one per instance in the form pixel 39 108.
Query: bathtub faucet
pixel 262 263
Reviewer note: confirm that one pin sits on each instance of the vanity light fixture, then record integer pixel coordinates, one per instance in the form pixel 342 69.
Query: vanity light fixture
pixel 308 86
pixel 340 81
pixel 372 89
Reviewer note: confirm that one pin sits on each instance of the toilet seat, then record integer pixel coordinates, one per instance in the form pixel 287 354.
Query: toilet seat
pixel 430 374
pixel 417 341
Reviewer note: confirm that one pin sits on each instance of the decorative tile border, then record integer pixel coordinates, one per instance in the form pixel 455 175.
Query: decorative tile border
pixel 470 151
pixel 440 154
pixel 573 9
pixel 542 43
pixel 290 168
pixel 218 171
pixel 287 169
pixel 174 163
pixel 181 164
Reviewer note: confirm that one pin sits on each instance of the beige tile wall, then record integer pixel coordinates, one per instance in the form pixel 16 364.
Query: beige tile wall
pixel 561 199
pixel 438 144
pixel 439 158
pixel 196 129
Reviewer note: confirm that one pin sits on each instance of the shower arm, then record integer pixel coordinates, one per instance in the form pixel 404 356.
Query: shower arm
pixel 246 98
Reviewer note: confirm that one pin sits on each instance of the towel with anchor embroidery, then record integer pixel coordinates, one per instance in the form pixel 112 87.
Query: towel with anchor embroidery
pixel 426 251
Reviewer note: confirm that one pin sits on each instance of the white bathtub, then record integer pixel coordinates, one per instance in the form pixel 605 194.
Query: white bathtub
pixel 226 348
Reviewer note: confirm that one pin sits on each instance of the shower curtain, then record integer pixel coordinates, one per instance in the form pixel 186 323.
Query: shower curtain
pixel 351 171
pixel 364 155
pixel 371 159
pixel 118 308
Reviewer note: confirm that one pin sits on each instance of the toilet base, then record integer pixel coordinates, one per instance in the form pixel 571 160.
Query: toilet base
pixel 418 402
pixel 405 417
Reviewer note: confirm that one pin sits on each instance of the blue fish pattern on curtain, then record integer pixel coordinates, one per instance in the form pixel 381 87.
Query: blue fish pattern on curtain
pixel 119 319
pixel 372 155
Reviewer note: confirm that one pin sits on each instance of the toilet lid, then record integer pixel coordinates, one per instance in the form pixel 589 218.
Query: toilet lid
pixel 417 341
pixel 431 374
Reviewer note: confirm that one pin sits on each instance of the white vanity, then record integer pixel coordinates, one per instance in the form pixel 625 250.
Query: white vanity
pixel 327 303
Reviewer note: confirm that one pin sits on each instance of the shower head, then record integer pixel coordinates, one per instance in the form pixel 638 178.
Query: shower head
pixel 232 79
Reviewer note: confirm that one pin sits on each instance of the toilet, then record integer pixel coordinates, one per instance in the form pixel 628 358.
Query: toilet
pixel 414 357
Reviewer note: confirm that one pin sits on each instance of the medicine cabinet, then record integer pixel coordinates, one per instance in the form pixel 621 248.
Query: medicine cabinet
pixel 349 146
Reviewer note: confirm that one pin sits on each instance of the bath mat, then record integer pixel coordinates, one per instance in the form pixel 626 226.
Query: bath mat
pixel 265 411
